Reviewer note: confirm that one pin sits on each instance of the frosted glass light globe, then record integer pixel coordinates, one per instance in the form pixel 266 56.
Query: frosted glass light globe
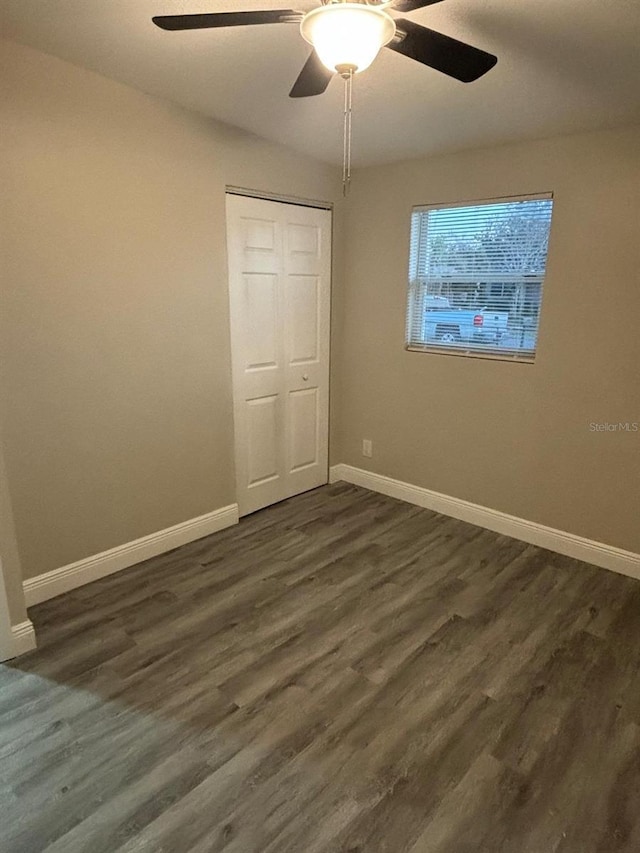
pixel 347 34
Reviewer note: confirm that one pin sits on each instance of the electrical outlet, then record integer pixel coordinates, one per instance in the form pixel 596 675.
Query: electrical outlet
pixel 367 447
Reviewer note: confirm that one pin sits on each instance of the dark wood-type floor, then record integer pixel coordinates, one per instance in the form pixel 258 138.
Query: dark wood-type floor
pixel 341 672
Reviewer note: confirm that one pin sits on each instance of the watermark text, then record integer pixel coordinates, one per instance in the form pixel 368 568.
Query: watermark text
pixel 620 426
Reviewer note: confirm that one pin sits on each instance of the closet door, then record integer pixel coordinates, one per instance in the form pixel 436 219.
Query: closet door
pixel 279 291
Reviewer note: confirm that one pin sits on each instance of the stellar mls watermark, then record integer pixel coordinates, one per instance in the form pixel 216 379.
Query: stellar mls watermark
pixel 619 426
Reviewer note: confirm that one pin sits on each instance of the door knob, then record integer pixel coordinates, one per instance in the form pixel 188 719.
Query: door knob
pixel 305 377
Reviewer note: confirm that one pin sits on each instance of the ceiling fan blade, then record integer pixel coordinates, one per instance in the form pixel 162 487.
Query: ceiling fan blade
pixel 412 5
pixel 446 54
pixel 313 79
pixel 226 19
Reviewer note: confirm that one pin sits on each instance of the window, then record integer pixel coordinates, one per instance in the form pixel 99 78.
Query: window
pixel 476 274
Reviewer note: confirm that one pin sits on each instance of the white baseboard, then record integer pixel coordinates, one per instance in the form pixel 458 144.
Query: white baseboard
pixel 597 553
pixel 48 585
pixel 23 638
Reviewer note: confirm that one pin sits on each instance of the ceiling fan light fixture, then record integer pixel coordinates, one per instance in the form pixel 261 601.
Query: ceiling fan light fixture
pixel 347 35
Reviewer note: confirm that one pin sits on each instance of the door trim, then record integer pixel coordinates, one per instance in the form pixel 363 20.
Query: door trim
pixel 282 199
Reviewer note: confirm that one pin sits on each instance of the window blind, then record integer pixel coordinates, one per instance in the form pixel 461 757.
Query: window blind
pixel 476 276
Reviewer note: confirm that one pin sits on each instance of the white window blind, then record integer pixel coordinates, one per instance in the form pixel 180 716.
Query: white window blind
pixel 476 277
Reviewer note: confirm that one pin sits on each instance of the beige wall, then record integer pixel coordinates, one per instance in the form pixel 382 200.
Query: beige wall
pixel 514 437
pixel 116 388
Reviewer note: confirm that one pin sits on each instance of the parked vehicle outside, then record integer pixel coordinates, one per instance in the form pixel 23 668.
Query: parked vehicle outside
pixel 444 324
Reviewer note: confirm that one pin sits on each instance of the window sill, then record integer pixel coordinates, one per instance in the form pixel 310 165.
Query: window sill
pixel 492 355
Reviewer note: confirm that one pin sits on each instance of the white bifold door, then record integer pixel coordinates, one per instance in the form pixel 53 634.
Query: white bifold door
pixel 279 292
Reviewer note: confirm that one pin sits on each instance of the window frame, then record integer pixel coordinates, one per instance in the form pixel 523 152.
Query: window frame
pixel 415 255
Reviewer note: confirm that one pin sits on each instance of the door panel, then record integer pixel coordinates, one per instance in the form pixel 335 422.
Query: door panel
pixel 261 317
pixel 262 436
pixel 303 406
pixel 304 239
pixel 259 235
pixel 302 318
pixel 279 295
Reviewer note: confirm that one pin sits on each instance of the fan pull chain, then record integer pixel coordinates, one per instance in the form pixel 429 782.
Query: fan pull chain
pixel 346 149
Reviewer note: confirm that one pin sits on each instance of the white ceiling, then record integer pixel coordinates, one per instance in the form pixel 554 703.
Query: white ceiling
pixel 563 66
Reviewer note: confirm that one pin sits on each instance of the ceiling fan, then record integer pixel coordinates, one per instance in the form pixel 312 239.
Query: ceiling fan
pixel 346 38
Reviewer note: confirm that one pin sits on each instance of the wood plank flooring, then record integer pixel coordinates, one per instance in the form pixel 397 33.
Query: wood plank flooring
pixel 341 673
